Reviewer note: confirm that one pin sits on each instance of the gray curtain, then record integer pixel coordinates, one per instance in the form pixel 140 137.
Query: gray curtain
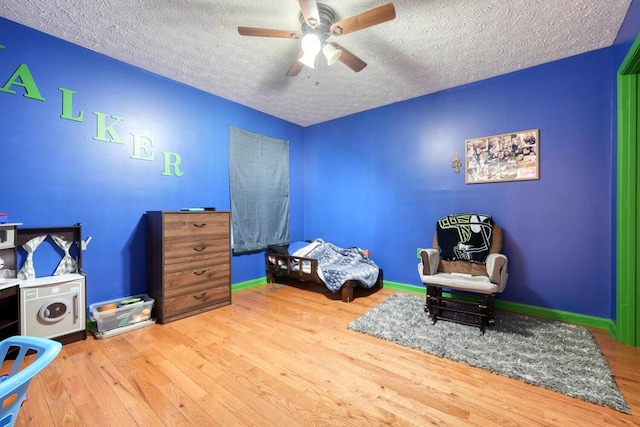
pixel 259 185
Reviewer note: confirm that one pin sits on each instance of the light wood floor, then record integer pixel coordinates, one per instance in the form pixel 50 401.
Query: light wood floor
pixel 283 356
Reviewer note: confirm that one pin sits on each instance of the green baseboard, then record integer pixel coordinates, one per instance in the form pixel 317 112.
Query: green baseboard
pixel 531 310
pixel 420 290
pixel 563 316
pixel 248 284
pixel 387 284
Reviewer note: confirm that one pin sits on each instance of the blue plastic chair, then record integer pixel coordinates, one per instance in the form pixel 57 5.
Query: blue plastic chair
pixel 13 386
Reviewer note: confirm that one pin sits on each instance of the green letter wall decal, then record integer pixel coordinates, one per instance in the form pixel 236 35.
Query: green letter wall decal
pixel 67 105
pixel 175 163
pixel 103 129
pixel 22 77
pixel 142 147
pixel 142 144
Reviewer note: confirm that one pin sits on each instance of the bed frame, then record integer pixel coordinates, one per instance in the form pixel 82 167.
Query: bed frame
pixel 280 266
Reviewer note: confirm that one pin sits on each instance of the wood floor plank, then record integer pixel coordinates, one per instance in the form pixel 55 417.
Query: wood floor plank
pixel 282 355
pixel 105 401
pixel 36 407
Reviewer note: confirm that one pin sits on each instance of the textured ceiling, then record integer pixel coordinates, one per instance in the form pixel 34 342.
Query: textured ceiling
pixel 431 45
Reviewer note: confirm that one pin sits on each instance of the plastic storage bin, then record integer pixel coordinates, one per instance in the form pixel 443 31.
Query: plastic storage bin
pixel 121 312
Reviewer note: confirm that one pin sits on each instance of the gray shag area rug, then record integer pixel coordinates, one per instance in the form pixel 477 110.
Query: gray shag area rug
pixel 546 353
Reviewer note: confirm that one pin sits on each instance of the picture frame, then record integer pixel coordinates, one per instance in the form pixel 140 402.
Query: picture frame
pixel 513 156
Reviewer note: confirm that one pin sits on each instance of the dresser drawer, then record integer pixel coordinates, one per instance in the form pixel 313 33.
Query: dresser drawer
pixel 205 274
pixel 218 250
pixel 195 300
pixel 187 226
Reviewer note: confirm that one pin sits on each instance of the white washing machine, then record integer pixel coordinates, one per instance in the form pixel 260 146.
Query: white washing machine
pixel 52 306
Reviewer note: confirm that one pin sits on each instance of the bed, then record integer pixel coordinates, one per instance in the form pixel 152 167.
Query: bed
pixel 317 261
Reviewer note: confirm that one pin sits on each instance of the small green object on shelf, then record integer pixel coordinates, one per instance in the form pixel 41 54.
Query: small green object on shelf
pixel 130 301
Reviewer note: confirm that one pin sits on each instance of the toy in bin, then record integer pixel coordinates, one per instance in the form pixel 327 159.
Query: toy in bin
pixel 121 315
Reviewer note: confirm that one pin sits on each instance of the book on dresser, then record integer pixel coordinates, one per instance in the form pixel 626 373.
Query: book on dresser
pixel 189 262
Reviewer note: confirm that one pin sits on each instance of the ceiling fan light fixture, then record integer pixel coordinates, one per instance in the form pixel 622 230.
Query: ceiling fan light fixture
pixel 317 23
pixel 331 53
pixel 311 44
pixel 309 60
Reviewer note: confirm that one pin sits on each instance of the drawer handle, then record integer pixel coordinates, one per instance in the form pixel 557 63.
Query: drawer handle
pixel 199 272
pixel 200 225
pixel 199 248
pixel 200 296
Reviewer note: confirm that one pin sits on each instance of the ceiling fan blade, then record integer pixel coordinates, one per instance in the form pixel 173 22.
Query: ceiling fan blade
pixel 366 19
pixel 266 32
pixel 295 68
pixel 310 12
pixel 349 59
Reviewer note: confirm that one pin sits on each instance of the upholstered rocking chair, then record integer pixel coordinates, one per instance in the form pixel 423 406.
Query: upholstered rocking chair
pixel 464 270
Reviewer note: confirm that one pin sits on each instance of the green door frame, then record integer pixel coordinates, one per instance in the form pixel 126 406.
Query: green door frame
pixel 627 242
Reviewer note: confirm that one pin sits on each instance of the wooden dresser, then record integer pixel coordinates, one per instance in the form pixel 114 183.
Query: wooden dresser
pixel 189 261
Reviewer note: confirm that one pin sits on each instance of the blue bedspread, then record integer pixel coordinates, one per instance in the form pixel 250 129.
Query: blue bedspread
pixel 338 265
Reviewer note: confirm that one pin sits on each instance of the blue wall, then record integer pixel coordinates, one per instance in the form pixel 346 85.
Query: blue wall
pixel 55 173
pixel 394 180
pixel 378 179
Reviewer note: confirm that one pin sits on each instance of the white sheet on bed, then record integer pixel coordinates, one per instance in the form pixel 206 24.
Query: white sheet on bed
pixel 304 251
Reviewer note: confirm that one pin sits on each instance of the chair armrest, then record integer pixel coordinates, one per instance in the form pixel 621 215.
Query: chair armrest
pixel 497 270
pixel 430 261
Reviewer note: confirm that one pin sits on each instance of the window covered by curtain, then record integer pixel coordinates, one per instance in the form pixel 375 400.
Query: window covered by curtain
pixel 259 181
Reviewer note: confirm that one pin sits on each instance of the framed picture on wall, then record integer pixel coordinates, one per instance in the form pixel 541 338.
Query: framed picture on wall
pixel 511 156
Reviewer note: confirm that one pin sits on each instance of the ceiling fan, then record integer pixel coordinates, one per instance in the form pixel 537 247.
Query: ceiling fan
pixel 318 23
